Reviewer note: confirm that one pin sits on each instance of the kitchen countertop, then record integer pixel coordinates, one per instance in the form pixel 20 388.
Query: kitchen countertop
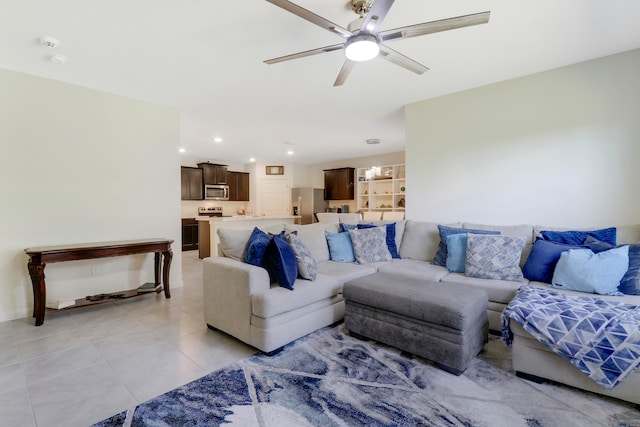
pixel 244 218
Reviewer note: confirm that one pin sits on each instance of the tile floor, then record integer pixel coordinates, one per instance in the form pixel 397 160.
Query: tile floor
pixel 84 365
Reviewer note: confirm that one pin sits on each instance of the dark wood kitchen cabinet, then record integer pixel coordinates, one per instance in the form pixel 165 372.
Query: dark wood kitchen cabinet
pixel 189 234
pixel 191 183
pixel 339 184
pixel 238 186
pixel 213 173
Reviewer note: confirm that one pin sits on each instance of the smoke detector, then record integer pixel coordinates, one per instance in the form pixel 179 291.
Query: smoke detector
pixel 49 42
pixel 373 141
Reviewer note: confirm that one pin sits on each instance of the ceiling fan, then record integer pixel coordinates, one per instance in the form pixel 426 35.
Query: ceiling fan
pixel 363 41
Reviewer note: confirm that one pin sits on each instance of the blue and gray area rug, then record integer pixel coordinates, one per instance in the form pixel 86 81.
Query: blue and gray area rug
pixel 331 379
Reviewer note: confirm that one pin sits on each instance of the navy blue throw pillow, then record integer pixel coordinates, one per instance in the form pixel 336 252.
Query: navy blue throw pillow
pixel 630 283
pixel 596 245
pixel 543 259
pixel 441 255
pixel 256 247
pixel 576 237
pixel 391 237
pixel 280 261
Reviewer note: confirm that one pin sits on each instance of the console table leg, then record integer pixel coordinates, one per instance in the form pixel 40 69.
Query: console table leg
pixel 157 266
pixel 36 271
pixel 168 255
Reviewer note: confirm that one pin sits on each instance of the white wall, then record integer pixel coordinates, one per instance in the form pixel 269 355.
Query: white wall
pixel 78 165
pixel 555 148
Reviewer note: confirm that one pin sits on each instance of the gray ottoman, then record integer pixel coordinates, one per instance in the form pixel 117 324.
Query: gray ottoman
pixel 446 323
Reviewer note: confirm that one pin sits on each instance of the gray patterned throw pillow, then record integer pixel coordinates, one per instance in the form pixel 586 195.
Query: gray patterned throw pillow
pixel 370 244
pixel 307 267
pixel 494 257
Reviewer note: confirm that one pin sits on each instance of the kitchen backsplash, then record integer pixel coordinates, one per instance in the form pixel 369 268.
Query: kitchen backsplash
pixel 190 207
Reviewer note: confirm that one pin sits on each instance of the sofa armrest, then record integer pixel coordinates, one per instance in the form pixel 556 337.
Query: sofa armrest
pixel 227 286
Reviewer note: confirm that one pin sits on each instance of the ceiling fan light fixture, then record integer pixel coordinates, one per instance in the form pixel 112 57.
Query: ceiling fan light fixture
pixel 362 47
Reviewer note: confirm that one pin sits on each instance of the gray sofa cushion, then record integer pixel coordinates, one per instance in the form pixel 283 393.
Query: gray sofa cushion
pixel 501 291
pixel 414 269
pixel 312 235
pixel 628 234
pixel 420 240
pixel 280 300
pixel 234 242
pixel 343 271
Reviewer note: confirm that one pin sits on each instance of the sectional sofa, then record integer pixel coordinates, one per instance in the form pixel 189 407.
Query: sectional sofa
pixel 240 299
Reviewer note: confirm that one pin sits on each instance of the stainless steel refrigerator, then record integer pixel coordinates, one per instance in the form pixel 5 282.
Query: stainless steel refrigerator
pixel 307 201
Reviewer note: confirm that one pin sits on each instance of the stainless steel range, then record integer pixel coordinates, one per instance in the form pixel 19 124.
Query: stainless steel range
pixel 210 211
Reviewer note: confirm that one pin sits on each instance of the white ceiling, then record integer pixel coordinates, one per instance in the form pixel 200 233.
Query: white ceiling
pixel 204 57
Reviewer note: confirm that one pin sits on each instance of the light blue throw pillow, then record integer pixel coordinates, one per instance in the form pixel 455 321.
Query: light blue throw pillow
pixel 630 283
pixel 584 271
pixel 456 252
pixel 340 247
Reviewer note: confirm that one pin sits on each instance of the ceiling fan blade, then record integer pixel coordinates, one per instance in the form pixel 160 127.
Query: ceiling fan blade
pixel 376 15
pixel 397 58
pixel 311 17
pixel 435 26
pixel 305 53
pixel 344 72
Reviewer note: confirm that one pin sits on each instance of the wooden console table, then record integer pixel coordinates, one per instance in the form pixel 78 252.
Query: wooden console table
pixel 39 257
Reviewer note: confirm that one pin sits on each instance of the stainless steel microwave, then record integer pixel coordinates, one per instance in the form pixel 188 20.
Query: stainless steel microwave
pixel 216 192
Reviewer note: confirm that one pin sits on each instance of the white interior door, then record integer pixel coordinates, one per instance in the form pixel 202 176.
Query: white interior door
pixel 275 197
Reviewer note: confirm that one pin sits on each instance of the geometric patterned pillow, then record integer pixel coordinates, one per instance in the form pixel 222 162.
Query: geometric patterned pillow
pixel 370 244
pixel 307 267
pixel 494 257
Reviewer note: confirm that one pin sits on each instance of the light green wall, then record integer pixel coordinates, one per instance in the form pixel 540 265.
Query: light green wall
pixel 555 148
pixel 78 165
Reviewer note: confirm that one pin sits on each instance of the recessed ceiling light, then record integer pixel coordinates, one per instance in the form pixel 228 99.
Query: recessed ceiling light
pixel 373 141
pixel 217 139
pixel 290 152
pixel 252 159
pixel 182 150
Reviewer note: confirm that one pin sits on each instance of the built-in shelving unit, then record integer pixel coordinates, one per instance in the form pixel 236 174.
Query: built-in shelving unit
pixel 381 188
